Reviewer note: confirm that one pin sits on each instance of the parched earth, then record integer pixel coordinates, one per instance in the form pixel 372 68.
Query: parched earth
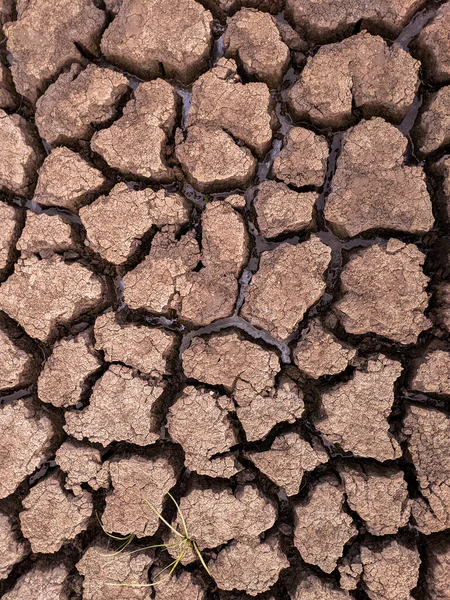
pixel 224 273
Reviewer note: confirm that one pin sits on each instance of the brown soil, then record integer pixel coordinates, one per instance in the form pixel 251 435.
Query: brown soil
pixel 224 274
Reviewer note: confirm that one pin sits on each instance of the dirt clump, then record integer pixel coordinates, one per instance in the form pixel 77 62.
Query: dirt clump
pixel 356 412
pixel 281 210
pixel 59 27
pixel 289 280
pixel 6 11
pixel 200 422
pixel 303 159
pixel 53 516
pixel 251 566
pixel 63 378
pixel 82 464
pixel 44 234
pixel 8 96
pixel 328 20
pixel 322 527
pixel 20 155
pixel 427 432
pixel 45 580
pixel 253 39
pixel 147 122
pixel 115 224
pixel 148 40
pixel 42 294
pixel 312 587
pixel 143 348
pixel 433 373
pixel 384 292
pixel 133 480
pixel 289 457
pixel 101 574
pixel 220 99
pixel 78 102
pixel 123 407
pixel 432 129
pixel 379 495
pixel 319 352
pixel 12 550
pixel 373 188
pixel 9 217
pixel 362 71
pixel 438 569
pixel 18 365
pixel 433 44
pixel 181 586
pixel 67 181
pixel 213 162
pixel 25 443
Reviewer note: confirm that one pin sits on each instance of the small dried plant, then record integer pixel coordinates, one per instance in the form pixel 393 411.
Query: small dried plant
pixel 182 546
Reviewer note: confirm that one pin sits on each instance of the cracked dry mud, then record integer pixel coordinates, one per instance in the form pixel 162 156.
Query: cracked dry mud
pixel 224 274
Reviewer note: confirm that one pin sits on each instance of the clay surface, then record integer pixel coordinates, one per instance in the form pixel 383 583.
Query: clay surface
pixel 433 373
pixel 433 43
pixel 433 125
pixel 12 550
pixel 8 233
pixel 46 580
pixel 18 365
pixel 44 234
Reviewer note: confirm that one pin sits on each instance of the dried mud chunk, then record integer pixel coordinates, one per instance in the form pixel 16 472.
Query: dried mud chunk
pixel 244 111
pixel 384 292
pixel 101 574
pixel 44 234
pixel 215 517
pixel 227 359
pixel 43 581
pixel 379 496
pixel 362 71
pixel 63 378
pixel 253 39
pixel 182 586
pixel 148 34
pixel 289 280
pixel 139 347
pixel 319 353
pixel 328 20
pixel 433 374
pixel 259 412
pixel 288 459
pixel 66 180
pixel 390 570
pixel 372 188
pixel 83 464
pixel 20 155
pixel 147 122
pixel 25 442
pixel 281 210
pixel 432 130
pixel 153 283
pixel 116 223
pixel 438 569
pixel 8 96
pixel 6 11
pixel 122 408
pixel 52 516
pixel 322 527
pixel 312 587
pixel 9 220
pixel 357 411
pixel 427 431
pixel 59 27
pixel 251 566
pixel 18 366
pixel 303 159
pixel 433 44
pixel 12 550
pixel 213 162
pixel 199 421
pixel 134 479
pixel 78 102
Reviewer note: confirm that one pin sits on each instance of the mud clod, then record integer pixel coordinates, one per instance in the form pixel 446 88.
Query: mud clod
pixel 44 234
pixel 383 292
pixel 18 367
pixel 434 124
pixel 438 571
pixel 433 374
pixel 372 188
pixel 48 579
pixel 83 464
pixel 290 279
pixel 9 217
pixel 182 586
pixel 52 516
pixel 11 549
pixel 433 44
pixel 312 587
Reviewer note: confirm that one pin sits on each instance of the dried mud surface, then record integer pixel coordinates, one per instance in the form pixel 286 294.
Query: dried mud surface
pixel 224 273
